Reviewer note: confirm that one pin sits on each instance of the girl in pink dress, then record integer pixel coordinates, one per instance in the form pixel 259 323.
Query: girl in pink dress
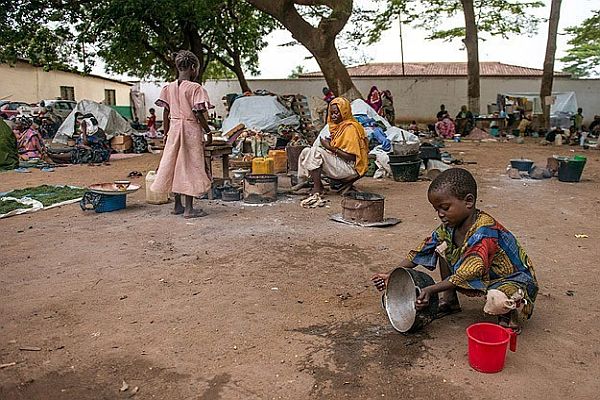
pixel 182 168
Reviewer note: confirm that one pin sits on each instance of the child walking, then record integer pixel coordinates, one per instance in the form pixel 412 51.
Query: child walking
pixel 476 255
pixel 182 168
pixel 151 123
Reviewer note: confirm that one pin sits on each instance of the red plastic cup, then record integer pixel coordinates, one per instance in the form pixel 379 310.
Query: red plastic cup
pixel 487 346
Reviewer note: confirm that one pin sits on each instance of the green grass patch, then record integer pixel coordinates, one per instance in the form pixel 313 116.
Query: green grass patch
pixel 48 195
pixel 7 206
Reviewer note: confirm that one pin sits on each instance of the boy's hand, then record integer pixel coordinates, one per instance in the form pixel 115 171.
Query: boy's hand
pixel 423 299
pixel 380 281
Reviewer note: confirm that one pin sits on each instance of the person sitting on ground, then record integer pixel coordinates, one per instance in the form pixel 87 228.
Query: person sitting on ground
pixel 440 115
pixel 550 137
pixel 387 107
pixel 343 157
pixel 445 128
pixel 476 255
pixel 413 127
pixel 9 155
pixel 525 125
pixel 29 141
pixel 572 138
pixel 594 128
pixel 92 145
pixel 464 121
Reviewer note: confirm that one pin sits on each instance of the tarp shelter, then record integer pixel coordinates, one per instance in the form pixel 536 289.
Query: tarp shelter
pixel 109 120
pixel 264 113
pixel 564 102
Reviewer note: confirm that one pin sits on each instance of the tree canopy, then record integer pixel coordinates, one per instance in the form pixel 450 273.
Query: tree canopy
pixel 583 55
pixel 137 37
pixel 140 36
pixel 50 44
pixel 492 17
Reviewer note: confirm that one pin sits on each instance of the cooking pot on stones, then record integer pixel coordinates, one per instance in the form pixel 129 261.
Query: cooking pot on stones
pixel 403 287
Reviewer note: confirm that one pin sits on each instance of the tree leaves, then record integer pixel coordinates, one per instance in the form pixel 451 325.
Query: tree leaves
pixel 493 18
pixel 583 57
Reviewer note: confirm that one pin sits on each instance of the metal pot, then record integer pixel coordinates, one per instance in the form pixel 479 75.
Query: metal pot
pixel 521 164
pixel 400 296
pixel 405 148
pixel 239 175
pixel 363 207
pixel 260 188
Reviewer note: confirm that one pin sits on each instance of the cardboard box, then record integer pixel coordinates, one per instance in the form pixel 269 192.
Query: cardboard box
pixel 120 140
pixel 122 148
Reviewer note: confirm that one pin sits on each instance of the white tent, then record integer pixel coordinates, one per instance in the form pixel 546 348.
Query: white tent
pixel 263 113
pixel 108 119
pixel 564 102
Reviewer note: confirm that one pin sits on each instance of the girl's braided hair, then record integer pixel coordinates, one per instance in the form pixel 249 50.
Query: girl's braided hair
pixel 185 59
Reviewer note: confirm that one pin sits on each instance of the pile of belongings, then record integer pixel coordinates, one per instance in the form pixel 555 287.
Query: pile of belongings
pixel 260 113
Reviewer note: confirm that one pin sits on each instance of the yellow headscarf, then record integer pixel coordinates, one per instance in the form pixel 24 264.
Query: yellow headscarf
pixel 349 135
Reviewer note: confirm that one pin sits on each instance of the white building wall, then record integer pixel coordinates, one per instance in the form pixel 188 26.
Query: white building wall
pixel 414 97
pixel 24 82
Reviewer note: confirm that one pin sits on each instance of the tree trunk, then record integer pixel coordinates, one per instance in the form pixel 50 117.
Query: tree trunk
pixel 335 72
pixel 472 44
pixel 320 40
pixel 548 75
pixel 239 73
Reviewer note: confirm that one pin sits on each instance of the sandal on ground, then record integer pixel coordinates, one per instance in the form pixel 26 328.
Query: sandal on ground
pixel 445 309
pixel 313 201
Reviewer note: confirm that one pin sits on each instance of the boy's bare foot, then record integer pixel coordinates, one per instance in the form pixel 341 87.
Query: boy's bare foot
pixel 510 320
pixel 194 214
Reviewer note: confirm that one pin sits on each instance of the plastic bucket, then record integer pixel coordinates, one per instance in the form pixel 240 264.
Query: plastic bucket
pixel 406 172
pixel 487 346
pixel 571 170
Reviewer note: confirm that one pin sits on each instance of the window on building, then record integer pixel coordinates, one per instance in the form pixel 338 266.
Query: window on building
pixel 110 97
pixel 67 93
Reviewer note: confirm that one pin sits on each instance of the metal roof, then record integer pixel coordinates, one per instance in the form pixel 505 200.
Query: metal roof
pixel 487 68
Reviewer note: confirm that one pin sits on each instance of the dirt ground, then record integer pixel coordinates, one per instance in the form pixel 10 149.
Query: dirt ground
pixel 275 302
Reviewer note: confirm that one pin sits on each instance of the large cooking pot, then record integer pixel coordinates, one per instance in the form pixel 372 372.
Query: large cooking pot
pixel 401 292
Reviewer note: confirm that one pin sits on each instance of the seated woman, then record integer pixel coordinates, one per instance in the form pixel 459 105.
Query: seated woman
pixel 92 145
pixel 343 157
pixel 464 121
pixel 445 127
pixel 9 156
pixel 30 144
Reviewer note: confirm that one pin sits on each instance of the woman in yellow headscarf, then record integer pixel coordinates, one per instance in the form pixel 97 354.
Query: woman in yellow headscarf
pixel 342 157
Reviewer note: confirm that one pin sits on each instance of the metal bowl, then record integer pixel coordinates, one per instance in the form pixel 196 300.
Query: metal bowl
pixel 521 164
pixel 122 185
pixel 400 296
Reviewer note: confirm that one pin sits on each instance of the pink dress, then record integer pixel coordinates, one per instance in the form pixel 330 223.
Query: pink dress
pixel 182 167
